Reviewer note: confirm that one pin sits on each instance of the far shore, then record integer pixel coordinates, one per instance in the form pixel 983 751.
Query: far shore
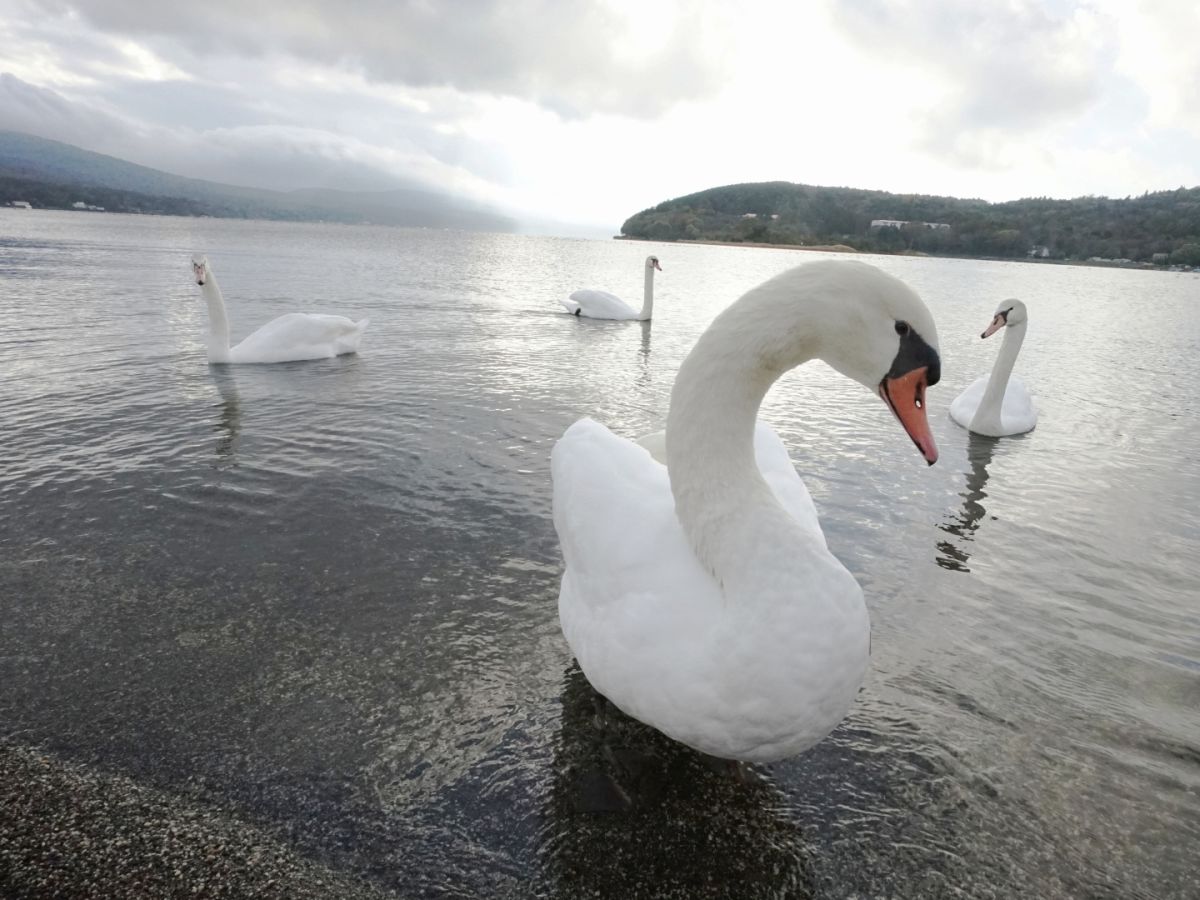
pixel 846 248
pixel 828 248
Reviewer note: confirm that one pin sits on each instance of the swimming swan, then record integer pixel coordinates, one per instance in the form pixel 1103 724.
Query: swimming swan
pixel 1000 404
pixel 290 337
pixel 700 596
pixel 603 305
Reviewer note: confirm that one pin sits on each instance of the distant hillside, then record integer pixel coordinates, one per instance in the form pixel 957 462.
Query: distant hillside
pixel 1160 228
pixel 50 174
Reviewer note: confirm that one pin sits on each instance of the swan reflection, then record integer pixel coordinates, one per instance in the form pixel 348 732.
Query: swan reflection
pixel 229 422
pixel 643 376
pixel 963 525
pixel 644 353
pixel 633 809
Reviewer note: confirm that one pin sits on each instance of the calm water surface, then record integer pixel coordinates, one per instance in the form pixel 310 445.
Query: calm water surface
pixel 321 597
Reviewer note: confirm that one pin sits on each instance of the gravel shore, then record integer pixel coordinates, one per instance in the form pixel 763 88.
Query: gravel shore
pixel 67 831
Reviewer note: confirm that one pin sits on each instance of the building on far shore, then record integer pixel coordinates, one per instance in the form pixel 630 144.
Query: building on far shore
pixel 21 204
pixel 79 204
pixel 900 223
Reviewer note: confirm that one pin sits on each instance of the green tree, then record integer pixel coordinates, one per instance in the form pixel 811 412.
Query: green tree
pixel 1187 255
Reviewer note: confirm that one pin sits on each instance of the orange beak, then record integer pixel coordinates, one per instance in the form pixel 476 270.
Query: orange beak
pixel 906 397
pixel 997 323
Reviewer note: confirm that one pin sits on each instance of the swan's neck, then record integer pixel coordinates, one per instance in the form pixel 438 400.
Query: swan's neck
pixel 988 415
pixel 725 507
pixel 218 321
pixel 648 295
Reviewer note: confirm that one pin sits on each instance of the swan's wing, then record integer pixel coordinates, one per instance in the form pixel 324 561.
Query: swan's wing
pixel 966 404
pixel 655 443
pixel 633 594
pixel 613 508
pixel 615 514
pixel 299 336
pixel 780 474
pixel 1018 411
pixel 776 467
pixel 637 608
pixel 602 305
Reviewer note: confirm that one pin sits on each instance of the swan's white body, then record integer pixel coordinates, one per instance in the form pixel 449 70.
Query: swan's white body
pixel 603 305
pixel 294 336
pixel 700 596
pixel 1000 404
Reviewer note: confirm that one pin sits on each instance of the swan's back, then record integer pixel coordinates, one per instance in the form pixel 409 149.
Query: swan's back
pixel 298 336
pixel 599 305
pixel 1018 413
pixel 647 621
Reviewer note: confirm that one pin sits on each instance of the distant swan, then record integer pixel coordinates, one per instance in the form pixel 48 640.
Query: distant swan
pixel 1000 404
pixel 293 336
pixel 700 596
pixel 603 305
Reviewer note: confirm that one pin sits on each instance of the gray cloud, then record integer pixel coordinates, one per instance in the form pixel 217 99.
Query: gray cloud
pixel 36 110
pixel 560 55
pixel 280 156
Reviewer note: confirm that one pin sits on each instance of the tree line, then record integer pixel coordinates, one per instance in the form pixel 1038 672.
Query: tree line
pixel 56 195
pixel 1161 227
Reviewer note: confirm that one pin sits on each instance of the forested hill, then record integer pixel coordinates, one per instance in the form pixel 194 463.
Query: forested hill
pixel 1162 228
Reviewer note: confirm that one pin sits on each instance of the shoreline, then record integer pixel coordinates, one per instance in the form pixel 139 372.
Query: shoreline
pixel 70 829
pixel 846 248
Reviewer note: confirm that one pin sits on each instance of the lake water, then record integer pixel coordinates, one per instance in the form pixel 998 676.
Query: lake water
pixel 318 600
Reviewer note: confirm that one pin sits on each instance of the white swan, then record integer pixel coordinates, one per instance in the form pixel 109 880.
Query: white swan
pixel 603 305
pixel 700 596
pixel 1000 404
pixel 290 337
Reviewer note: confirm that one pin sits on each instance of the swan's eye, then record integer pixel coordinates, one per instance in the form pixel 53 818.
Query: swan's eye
pixel 902 328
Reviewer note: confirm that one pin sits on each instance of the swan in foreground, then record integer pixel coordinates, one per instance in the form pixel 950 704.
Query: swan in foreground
pixel 603 305
pixel 700 596
pixel 290 337
pixel 1000 404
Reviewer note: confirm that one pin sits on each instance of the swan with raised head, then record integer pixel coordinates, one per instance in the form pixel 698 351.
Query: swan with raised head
pixel 1000 404
pixel 699 596
pixel 603 305
pixel 293 336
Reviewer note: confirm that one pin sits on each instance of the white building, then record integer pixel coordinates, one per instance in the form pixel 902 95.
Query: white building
pixel 900 223
pixel 21 204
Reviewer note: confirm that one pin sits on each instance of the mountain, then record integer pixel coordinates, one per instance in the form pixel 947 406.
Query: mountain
pixel 55 175
pixel 1162 227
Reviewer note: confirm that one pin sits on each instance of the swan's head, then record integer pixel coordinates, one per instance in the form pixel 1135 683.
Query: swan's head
pixel 652 263
pixel 1009 312
pixel 200 269
pixel 871 327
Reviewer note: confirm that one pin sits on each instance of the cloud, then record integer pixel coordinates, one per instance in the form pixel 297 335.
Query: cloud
pixel 1159 53
pixel 993 73
pixel 632 58
pixel 274 156
pixel 592 111
pixel 26 107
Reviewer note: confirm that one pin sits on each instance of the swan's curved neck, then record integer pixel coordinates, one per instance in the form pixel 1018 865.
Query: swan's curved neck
pixel 720 496
pixel 648 295
pixel 218 320
pixel 988 415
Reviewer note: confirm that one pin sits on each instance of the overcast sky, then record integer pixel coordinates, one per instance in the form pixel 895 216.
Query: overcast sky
pixel 590 110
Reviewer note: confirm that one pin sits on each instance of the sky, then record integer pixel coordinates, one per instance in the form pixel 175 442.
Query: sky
pixel 588 111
